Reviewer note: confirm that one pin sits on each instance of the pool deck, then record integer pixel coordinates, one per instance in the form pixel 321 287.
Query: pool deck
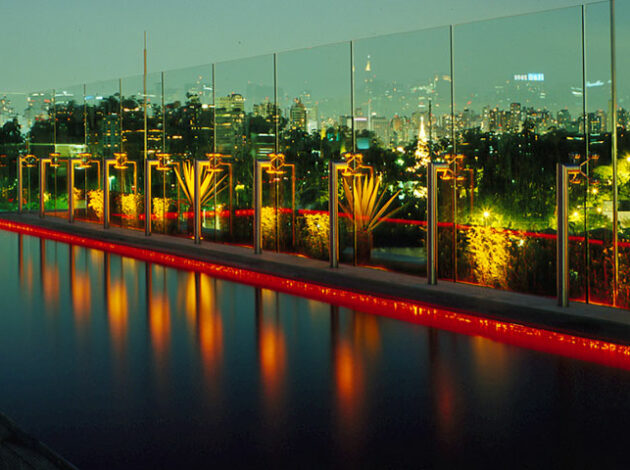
pixel 19 451
pixel 592 321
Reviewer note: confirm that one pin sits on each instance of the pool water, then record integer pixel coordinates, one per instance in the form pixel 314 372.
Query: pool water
pixel 116 363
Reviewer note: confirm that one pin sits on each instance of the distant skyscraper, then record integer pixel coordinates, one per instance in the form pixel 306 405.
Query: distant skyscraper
pixel 297 115
pixel 230 116
pixel 515 117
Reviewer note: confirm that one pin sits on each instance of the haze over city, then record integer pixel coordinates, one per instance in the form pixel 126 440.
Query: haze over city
pixel 66 42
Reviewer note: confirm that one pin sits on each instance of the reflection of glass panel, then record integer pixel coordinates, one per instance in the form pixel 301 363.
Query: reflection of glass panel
pixel 402 100
pixel 517 115
pixel 245 131
pixel 315 127
pixel 188 135
pixel 622 41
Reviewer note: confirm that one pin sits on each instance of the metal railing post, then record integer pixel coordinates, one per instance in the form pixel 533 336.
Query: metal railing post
pixel 258 207
pixel 432 219
pixel 197 203
pixel 562 244
pixel 333 211
pixel 71 191
pixel 42 180
pixel 19 188
pixel 147 197
pixel 106 194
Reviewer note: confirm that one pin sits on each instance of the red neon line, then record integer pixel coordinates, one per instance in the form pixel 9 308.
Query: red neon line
pixel 577 347
pixel 421 223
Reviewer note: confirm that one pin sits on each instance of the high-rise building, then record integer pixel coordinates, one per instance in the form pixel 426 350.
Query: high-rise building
pixel 297 115
pixel 514 123
pixel 229 119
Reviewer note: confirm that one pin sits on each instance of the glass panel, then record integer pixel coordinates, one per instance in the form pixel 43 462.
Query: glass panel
pixel 103 139
pixel 598 204
pixel 401 101
pixel 245 132
pixel 163 180
pixel 315 122
pixel 188 136
pixel 126 179
pixel 12 143
pixel 622 41
pixel 69 140
pixel 39 118
pixel 514 110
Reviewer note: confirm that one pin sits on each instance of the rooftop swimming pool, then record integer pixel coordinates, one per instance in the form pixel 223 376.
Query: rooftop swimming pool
pixel 120 362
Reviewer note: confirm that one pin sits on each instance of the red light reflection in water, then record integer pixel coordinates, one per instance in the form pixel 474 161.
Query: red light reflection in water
pixel 602 352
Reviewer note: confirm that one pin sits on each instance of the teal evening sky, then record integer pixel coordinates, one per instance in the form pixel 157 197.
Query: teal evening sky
pixel 51 44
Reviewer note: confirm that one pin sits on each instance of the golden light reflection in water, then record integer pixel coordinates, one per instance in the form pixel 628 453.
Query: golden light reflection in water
pixel 27 277
pixel 160 323
pixel 187 294
pixel 366 333
pixel 493 367
pixel 349 381
pixel 80 290
pixel 81 297
pixel 50 284
pixel 273 358
pixel 96 257
pixel 272 351
pixel 348 354
pixel 210 326
pixel 198 295
pixel 118 313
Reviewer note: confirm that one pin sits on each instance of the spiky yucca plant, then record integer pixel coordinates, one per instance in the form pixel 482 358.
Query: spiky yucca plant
pixel 365 205
pixel 207 187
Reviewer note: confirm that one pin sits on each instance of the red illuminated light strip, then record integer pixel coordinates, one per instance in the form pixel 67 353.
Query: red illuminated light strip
pixel 577 347
pixel 421 223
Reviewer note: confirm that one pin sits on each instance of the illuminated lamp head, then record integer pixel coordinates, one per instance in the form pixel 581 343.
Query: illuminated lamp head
pixel 54 159
pixel 121 161
pixel 84 163
pixel 30 161
pixel 163 161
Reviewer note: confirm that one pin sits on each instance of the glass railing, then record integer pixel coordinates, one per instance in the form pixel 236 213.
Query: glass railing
pixel 500 102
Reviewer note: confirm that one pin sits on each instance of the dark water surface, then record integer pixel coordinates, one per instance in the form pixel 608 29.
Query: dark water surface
pixel 115 363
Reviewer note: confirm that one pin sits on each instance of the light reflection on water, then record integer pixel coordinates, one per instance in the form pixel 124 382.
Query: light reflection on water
pixel 118 363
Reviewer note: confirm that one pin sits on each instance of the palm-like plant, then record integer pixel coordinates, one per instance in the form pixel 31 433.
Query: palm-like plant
pixel 207 187
pixel 364 204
